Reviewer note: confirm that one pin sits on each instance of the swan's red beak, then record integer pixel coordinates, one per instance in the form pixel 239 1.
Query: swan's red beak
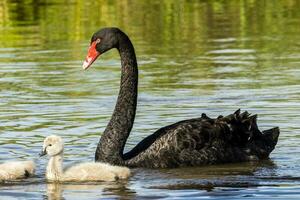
pixel 91 56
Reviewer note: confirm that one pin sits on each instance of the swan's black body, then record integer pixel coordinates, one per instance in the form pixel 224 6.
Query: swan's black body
pixel 192 142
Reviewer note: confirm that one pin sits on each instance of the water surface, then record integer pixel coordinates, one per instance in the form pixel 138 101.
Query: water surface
pixel 194 57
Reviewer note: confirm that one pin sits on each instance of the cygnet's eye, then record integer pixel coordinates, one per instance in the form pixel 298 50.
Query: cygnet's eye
pixel 50 145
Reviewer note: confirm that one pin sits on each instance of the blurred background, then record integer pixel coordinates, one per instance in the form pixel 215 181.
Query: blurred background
pixel 194 56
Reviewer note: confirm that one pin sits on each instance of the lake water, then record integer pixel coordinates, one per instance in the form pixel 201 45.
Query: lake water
pixel 194 57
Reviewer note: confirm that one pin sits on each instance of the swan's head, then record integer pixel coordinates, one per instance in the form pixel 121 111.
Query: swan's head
pixel 53 145
pixel 102 41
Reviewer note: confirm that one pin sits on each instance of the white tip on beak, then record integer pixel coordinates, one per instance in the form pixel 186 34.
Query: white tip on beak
pixel 87 63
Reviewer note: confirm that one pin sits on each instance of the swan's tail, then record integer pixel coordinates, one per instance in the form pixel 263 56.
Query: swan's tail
pixel 244 133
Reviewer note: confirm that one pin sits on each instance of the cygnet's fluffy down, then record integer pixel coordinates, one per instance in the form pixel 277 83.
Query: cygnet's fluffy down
pixel 16 170
pixel 54 146
pixel 96 172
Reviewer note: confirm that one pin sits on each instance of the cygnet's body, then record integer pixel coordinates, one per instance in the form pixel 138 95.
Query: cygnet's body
pixel 16 170
pixel 53 146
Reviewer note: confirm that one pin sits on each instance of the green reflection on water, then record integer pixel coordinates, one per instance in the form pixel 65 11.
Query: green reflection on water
pixel 188 31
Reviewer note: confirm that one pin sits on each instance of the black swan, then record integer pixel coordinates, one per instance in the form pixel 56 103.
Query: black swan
pixel 192 142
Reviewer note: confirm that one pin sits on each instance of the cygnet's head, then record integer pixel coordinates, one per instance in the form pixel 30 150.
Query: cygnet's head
pixel 53 145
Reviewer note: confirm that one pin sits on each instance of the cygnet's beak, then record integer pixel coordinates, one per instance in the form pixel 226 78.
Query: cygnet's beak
pixel 42 153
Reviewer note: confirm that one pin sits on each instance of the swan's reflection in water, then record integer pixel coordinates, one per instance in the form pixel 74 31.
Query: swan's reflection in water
pixel 263 168
pixel 82 190
pixel 208 178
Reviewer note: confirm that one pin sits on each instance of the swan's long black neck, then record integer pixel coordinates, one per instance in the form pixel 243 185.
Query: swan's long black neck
pixel 111 145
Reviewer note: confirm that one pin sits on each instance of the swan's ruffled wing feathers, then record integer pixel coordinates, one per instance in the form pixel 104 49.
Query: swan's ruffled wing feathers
pixel 239 127
pixel 244 133
pixel 204 140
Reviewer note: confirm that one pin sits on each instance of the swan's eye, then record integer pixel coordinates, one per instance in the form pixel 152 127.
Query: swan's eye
pixel 50 145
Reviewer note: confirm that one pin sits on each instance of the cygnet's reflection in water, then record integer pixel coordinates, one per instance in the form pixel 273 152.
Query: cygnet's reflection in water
pixel 54 191
pixel 57 190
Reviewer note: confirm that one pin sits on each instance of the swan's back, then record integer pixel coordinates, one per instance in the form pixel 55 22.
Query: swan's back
pixel 16 170
pixel 95 172
pixel 202 141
